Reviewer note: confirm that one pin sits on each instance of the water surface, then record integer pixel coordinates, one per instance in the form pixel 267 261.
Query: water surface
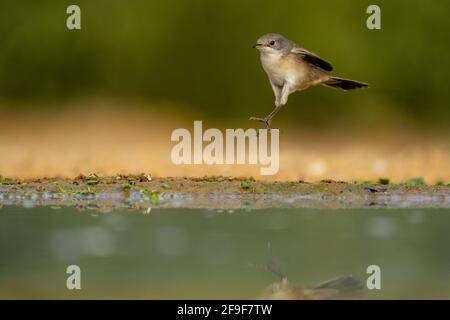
pixel 219 254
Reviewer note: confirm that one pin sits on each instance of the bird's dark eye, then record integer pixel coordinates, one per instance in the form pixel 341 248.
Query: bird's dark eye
pixel 272 43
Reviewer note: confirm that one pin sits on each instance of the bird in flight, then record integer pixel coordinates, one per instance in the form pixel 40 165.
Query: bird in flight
pixel 292 68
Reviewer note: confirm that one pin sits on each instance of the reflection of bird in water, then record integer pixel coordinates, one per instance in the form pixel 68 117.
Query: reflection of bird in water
pixel 285 290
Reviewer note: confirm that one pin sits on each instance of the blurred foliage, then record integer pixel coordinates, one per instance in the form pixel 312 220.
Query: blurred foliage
pixel 415 181
pixel 197 54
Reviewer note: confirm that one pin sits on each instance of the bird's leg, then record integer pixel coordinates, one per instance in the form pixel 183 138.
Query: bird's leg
pixel 281 100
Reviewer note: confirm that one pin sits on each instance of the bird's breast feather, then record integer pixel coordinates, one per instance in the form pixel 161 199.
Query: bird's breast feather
pixel 284 69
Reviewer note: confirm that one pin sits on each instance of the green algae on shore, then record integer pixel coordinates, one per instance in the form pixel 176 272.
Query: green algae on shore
pixel 220 192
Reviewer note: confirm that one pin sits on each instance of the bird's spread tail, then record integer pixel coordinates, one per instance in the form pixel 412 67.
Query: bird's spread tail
pixel 344 84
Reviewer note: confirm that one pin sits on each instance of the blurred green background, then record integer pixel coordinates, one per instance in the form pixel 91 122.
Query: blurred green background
pixel 197 56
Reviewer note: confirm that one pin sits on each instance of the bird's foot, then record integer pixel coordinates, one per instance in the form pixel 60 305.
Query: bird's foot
pixel 266 120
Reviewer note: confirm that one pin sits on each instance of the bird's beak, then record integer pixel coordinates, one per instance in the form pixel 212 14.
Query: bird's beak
pixel 256 45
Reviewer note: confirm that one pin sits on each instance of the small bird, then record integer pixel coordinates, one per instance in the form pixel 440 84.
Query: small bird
pixel 292 68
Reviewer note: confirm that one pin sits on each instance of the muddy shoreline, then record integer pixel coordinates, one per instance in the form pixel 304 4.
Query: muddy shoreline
pixel 143 192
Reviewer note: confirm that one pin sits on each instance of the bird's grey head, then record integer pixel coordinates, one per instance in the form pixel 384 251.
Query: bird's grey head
pixel 272 43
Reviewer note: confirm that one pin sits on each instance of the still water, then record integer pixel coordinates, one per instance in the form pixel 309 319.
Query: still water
pixel 208 254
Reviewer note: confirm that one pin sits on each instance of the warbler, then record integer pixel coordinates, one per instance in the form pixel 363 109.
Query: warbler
pixel 292 68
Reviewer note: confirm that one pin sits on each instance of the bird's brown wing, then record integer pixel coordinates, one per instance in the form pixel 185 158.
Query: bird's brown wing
pixel 312 58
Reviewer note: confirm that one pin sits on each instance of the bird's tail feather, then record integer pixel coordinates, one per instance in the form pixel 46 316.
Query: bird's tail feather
pixel 342 284
pixel 344 84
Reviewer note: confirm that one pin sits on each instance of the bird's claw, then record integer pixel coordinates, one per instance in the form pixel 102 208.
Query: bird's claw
pixel 265 120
